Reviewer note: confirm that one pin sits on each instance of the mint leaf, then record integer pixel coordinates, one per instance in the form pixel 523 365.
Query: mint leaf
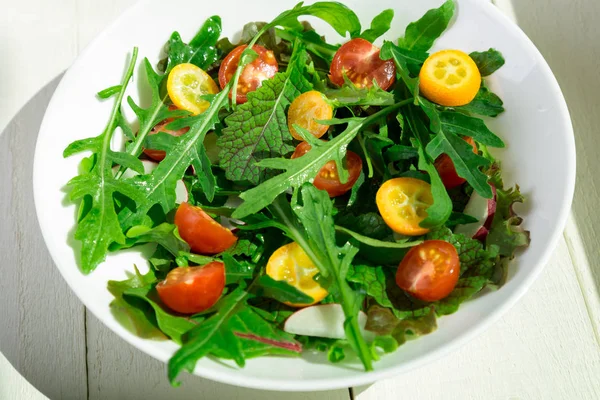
pixel 380 24
pixel 258 129
pixel 486 103
pixel 488 61
pixel 421 35
pixel 460 124
pixel 98 225
pixel 235 332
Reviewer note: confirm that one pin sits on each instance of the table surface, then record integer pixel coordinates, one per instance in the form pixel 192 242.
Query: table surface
pixel 546 347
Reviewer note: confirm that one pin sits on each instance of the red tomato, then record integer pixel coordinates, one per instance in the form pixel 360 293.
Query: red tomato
pixel 201 232
pixel 429 271
pixel 159 155
pixel 190 290
pixel 327 179
pixel 263 68
pixel 359 60
pixel 445 167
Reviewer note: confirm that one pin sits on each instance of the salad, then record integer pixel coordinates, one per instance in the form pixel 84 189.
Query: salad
pixel 300 195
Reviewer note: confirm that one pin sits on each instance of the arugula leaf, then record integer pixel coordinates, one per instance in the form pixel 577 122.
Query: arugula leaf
pixel 488 61
pixel 258 129
pixel 98 225
pixel 460 124
pixel 281 291
pixel 421 35
pixel 458 218
pixel 235 331
pixel 159 187
pixel 312 40
pixel 379 25
pixel 313 229
pixel 305 168
pixel 485 103
pixel 374 242
pixel 369 224
pixel 439 212
pixel 201 50
pixel 352 95
pixel 236 271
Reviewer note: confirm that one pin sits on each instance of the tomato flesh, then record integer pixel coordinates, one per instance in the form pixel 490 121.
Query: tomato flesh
pixel 447 171
pixel 201 232
pixel 429 271
pixel 359 60
pixel 262 68
pixel 159 155
pixel 327 179
pixel 190 290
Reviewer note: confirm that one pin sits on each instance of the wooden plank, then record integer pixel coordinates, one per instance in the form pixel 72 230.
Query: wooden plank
pixel 117 370
pixel 42 331
pixel 543 349
pixel 567 35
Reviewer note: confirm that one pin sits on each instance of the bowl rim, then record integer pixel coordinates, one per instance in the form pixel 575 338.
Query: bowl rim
pixel 363 378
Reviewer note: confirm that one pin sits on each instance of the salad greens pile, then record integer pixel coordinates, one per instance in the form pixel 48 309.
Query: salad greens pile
pixel 247 177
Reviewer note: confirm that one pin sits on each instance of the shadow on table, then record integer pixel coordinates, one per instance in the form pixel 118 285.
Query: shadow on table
pixel 44 330
pixel 563 34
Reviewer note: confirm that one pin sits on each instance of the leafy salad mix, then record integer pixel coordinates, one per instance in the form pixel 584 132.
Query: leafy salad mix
pixel 300 195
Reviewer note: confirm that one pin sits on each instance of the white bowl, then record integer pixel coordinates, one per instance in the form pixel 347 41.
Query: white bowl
pixel 540 156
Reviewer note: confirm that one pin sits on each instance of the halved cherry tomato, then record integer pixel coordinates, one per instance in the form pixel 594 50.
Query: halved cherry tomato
pixel 449 78
pixel 159 155
pixel 359 60
pixel 253 75
pixel 291 264
pixel 402 203
pixel 327 179
pixel 186 85
pixel 201 232
pixel 305 110
pixel 190 290
pixel 445 167
pixel 429 271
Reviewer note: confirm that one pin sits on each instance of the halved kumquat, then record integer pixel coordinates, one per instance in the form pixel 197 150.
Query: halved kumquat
pixel 187 84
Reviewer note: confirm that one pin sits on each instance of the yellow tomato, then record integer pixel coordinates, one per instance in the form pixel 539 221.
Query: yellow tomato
pixel 449 78
pixel 305 110
pixel 291 264
pixel 186 84
pixel 402 202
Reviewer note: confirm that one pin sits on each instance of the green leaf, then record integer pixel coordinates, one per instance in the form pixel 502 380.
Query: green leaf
pixel 236 271
pixel 235 332
pixel 466 162
pixel 379 26
pixel 457 218
pixel 488 61
pixel 305 168
pixel 340 17
pixel 421 35
pixel 258 129
pixel 486 103
pixel 460 124
pixel 311 227
pixel 281 291
pixel 391 51
pixel 163 234
pixel 312 40
pixel 109 92
pixel 369 224
pixel 98 225
pixel 352 95
pixel 466 288
pixel 376 243
pixel 439 212
pixel 171 325
pixel 201 51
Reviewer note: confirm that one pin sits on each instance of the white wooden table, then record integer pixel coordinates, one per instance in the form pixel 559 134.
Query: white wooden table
pixel 547 347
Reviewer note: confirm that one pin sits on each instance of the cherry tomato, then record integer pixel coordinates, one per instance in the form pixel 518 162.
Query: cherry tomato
pixel 263 68
pixel 445 167
pixel 327 179
pixel 429 271
pixel 305 110
pixel 201 232
pixel 190 290
pixel 359 60
pixel 403 204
